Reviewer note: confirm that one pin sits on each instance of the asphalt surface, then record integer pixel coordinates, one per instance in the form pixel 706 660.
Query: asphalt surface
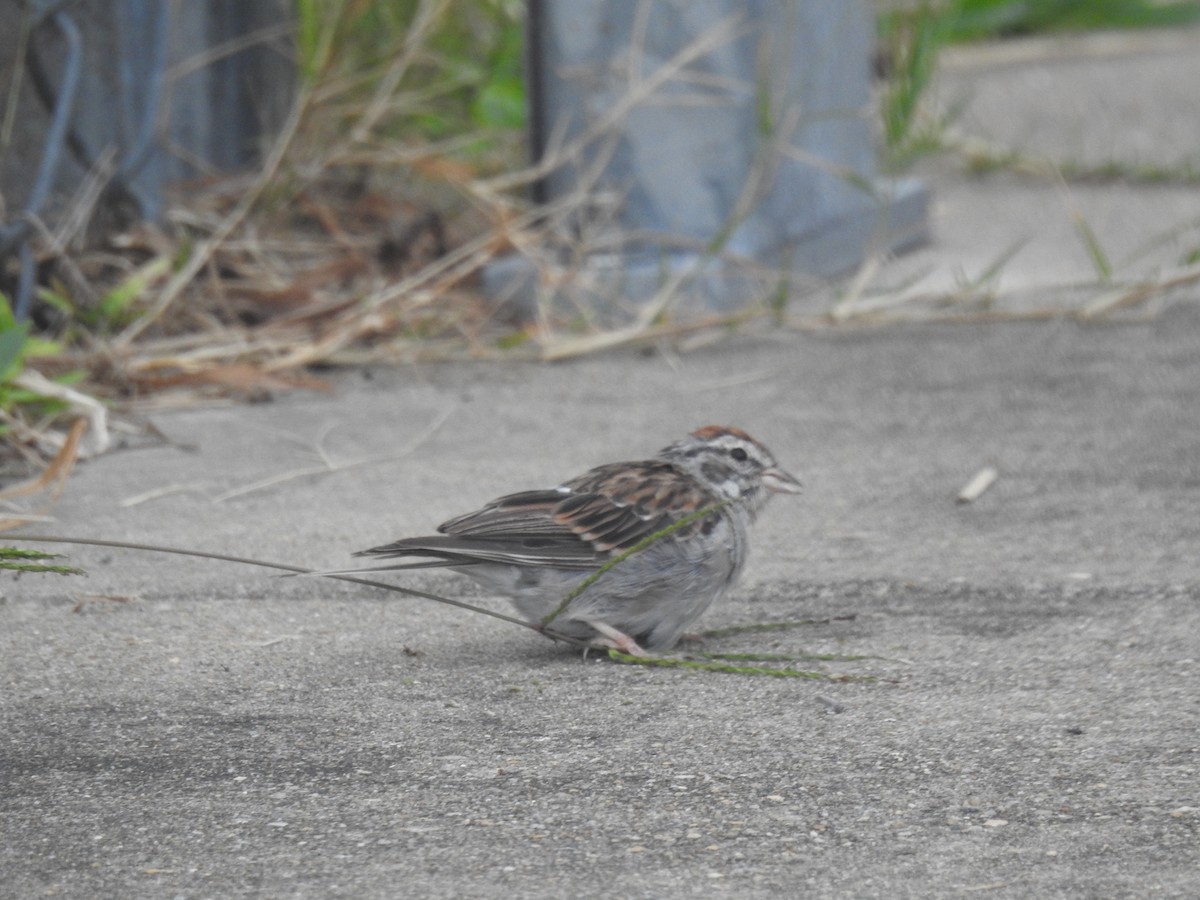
pixel 1014 701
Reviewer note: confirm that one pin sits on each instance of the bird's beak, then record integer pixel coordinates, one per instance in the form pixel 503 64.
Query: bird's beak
pixel 778 481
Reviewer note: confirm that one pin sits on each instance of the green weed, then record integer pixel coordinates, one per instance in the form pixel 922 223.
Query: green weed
pixel 456 62
pixel 16 560
pixel 912 35
pixel 17 347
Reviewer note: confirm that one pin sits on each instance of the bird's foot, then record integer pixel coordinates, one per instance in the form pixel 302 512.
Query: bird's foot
pixel 611 638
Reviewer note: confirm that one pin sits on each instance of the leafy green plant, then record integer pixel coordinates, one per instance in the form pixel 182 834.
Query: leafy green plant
pixel 117 307
pixel 458 61
pixel 912 42
pixel 17 346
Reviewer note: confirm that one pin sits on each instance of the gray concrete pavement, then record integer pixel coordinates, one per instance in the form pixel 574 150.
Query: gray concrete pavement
pixel 1030 725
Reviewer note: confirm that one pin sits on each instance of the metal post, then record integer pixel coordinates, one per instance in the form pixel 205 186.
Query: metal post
pixel 716 140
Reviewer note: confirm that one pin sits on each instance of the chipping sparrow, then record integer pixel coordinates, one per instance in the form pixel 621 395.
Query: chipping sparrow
pixel 538 547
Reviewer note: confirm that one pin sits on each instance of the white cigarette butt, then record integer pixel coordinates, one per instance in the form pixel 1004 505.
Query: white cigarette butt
pixel 983 480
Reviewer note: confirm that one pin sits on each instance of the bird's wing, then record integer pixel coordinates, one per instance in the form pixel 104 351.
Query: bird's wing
pixel 579 525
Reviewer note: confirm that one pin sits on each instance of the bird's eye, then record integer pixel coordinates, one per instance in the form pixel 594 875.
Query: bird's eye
pixel 739 454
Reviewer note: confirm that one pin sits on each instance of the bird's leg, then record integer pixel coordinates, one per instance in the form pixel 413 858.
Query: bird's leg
pixel 617 640
pixel 610 638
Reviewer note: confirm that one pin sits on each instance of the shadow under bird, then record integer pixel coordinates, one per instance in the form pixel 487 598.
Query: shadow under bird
pixel 685 514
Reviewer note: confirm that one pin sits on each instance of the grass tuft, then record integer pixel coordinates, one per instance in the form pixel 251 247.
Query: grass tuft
pixel 16 560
